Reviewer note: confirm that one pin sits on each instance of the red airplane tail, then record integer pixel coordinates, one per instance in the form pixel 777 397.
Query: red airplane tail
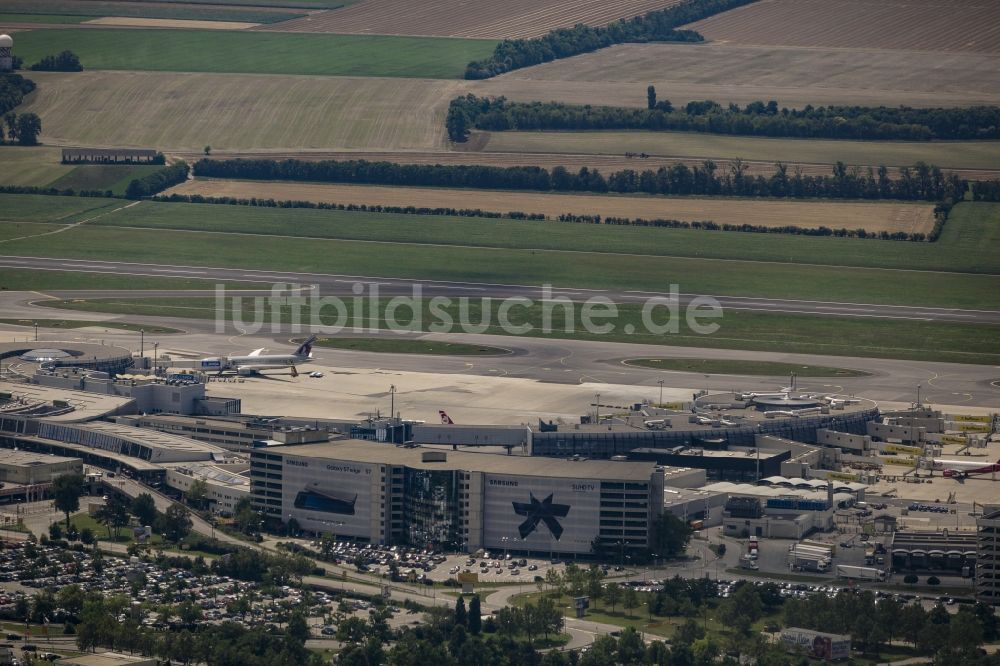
pixel 445 419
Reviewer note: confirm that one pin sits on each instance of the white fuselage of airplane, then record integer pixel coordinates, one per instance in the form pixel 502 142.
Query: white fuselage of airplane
pixel 256 361
pixel 959 464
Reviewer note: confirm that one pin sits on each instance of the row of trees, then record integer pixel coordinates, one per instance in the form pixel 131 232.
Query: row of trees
pixel 986 190
pixel 755 119
pixel 66 61
pixel 157 181
pixel 921 182
pixel 655 26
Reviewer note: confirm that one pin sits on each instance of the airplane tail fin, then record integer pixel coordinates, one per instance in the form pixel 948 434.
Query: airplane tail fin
pixel 305 349
pixel 445 419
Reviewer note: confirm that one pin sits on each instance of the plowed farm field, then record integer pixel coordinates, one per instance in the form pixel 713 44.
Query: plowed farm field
pixel 888 216
pixel 240 111
pixel 915 25
pixel 794 76
pixel 487 19
pixel 984 155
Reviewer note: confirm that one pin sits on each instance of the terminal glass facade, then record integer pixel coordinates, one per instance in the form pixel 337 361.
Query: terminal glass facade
pixel 431 509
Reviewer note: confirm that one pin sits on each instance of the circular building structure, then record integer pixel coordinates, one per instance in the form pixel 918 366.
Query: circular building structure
pixel 106 358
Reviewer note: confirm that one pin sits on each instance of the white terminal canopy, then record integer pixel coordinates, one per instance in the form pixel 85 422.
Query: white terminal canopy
pixel 6 40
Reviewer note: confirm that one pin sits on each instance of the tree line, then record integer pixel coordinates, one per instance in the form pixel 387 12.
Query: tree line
pixel 13 88
pixel 755 119
pixel 157 181
pixel 655 26
pixel 66 61
pixel 921 182
pixel 23 128
pixel 986 190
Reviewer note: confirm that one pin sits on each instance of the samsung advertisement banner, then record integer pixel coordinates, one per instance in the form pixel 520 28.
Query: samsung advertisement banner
pixel 328 496
pixel 539 514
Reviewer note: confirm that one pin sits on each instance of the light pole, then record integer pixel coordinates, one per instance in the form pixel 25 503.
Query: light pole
pixel 142 342
pixel 156 346
pixel 36 331
pixel 597 403
pixel 660 382
pixel 392 401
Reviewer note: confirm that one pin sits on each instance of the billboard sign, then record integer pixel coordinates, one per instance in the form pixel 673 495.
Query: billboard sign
pixel 539 513
pixel 328 496
pixel 816 644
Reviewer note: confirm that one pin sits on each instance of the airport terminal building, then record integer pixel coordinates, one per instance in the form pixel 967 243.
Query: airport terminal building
pixel 443 499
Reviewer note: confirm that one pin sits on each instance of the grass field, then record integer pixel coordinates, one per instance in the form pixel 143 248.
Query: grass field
pixel 41 281
pixel 804 334
pixel 10 230
pixel 717 366
pixel 197 11
pixel 531 267
pixel 410 346
pixel 968 154
pixel 82 323
pixel 35 208
pixel 794 76
pixel 103 177
pixel 968 244
pixel 887 216
pixel 257 53
pixel 33 166
pixel 240 111
pixel 8 18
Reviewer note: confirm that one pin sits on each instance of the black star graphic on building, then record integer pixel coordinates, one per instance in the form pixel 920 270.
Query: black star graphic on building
pixel 544 511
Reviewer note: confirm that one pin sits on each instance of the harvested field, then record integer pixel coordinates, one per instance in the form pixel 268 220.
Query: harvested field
pixel 574 162
pixel 189 111
pixel 793 76
pixel 169 23
pixel 871 216
pixel 915 25
pixel 983 155
pixel 462 18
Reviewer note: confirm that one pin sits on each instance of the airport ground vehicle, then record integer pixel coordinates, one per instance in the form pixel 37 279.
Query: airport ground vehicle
pixel 860 573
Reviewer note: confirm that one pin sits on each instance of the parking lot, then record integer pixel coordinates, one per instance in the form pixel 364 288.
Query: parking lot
pixel 26 569
pixel 420 565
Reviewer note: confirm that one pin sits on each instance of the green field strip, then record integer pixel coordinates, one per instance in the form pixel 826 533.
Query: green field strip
pixel 970 242
pixel 258 52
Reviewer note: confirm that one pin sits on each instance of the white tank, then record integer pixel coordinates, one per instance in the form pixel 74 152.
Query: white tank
pixel 6 41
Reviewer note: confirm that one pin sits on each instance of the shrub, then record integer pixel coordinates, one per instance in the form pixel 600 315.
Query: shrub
pixel 933 580
pixel 910 579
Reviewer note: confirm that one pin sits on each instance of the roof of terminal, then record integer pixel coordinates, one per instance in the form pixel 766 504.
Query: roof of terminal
pixel 154 438
pixel 28 458
pixel 355 450
pixel 86 406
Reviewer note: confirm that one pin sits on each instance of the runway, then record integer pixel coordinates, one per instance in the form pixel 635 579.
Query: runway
pixel 332 284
